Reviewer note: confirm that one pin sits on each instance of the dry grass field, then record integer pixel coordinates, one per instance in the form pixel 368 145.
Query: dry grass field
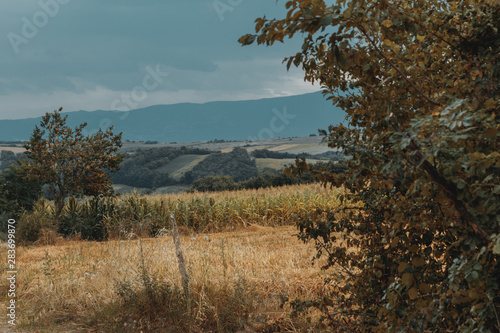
pixel 239 280
pixel 72 286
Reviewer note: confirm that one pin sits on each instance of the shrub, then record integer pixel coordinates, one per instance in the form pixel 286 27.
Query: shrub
pixel 30 226
pixel 419 82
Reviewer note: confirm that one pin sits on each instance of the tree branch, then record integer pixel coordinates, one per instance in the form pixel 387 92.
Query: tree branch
pixel 393 65
pixel 449 188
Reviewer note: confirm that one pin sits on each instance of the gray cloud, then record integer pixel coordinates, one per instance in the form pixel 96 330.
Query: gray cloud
pixel 91 50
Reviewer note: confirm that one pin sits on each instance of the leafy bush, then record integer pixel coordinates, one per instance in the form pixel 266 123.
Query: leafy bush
pixel 30 226
pixel 419 82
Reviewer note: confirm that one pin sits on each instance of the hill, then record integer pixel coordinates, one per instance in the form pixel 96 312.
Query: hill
pixel 269 118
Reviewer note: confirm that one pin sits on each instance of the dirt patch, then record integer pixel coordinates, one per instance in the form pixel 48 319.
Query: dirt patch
pixel 13 149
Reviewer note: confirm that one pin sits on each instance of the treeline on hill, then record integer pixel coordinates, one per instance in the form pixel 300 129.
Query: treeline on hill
pixel 237 164
pixel 268 178
pixel 218 171
pixel 266 153
pixel 141 169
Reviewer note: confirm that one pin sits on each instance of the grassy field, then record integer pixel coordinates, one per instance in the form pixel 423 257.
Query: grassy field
pixel 240 277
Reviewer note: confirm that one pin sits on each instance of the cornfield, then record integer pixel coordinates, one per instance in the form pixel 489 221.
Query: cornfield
pixel 147 216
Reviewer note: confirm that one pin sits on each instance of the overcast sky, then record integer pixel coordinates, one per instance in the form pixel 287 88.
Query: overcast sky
pixel 127 54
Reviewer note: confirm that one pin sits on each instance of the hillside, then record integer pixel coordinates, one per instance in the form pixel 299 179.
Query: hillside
pixel 291 116
pixel 173 167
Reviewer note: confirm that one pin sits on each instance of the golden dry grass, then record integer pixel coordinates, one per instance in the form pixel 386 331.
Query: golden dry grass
pixel 69 286
pixel 238 278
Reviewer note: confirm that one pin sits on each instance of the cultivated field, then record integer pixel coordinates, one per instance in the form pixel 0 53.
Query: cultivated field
pixel 312 145
pixel 240 277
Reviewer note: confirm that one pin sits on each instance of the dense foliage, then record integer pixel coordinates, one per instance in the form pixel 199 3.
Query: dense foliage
pixel 236 164
pixel 419 81
pixel 69 162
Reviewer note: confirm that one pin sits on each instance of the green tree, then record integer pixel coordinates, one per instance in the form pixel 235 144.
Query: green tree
pixel 7 157
pixel 69 162
pixel 419 81
pixel 17 191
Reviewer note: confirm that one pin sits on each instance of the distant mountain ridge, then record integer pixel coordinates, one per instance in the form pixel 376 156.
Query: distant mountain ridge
pixel 299 115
